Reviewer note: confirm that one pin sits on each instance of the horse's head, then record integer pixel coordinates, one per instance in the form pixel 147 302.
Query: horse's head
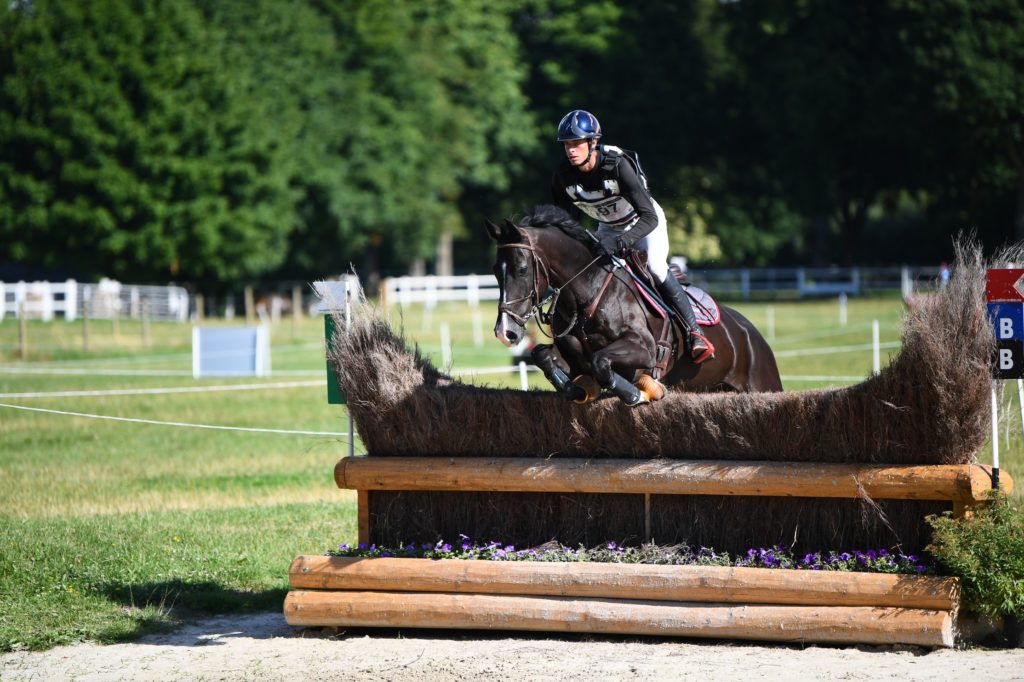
pixel 542 250
pixel 520 273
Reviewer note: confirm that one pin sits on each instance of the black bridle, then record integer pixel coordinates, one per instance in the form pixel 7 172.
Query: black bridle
pixel 536 298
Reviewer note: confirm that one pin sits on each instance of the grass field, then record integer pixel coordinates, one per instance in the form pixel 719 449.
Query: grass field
pixel 113 528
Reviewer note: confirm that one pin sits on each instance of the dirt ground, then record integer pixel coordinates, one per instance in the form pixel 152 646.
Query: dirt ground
pixel 264 647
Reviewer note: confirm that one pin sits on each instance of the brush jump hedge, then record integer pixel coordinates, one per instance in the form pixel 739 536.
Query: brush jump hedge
pixel 814 470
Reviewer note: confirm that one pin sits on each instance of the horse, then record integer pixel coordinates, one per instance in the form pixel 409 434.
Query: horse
pixel 599 323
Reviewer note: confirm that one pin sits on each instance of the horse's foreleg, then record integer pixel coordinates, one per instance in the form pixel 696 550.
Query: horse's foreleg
pixel 630 353
pixel 556 370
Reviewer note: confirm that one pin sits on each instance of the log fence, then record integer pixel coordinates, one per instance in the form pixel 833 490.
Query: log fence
pixel 694 601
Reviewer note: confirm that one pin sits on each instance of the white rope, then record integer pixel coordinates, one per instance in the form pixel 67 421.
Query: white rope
pixel 98 371
pixel 182 424
pixel 81 371
pixel 164 390
pixel 834 349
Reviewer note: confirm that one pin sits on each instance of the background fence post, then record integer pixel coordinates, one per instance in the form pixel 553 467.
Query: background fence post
pixel 86 300
pixel 145 324
pixel 250 306
pixel 22 331
pixel 296 310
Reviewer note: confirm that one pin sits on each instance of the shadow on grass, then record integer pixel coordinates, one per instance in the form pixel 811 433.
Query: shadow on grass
pixel 165 606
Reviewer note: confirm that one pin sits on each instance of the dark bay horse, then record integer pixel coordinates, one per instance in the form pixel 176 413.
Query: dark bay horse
pixel 599 324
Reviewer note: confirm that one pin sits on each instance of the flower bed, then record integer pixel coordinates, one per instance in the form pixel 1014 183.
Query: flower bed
pixel 871 561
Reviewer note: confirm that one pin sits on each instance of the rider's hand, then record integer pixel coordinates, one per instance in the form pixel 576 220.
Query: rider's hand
pixel 609 244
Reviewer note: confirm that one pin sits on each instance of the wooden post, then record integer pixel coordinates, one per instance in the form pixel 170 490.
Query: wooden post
pixel 362 513
pixel 22 331
pixel 647 517
pixel 250 306
pixel 200 308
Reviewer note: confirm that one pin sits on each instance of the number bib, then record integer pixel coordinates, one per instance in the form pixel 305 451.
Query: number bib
pixel 608 206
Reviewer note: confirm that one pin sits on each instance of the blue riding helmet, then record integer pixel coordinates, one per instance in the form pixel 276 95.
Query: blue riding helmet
pixel 578 125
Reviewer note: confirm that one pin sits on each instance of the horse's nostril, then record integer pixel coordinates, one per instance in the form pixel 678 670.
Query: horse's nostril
pixel 511 335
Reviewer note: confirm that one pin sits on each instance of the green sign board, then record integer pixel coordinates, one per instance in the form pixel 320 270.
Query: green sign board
pixel 334 393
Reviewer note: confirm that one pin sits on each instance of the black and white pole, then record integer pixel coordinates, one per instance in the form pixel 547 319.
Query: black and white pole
pixel 995 436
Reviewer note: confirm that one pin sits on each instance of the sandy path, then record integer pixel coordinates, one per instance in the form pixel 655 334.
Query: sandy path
pixel 264 647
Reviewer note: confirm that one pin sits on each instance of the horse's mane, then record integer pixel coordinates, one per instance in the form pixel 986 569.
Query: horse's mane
pixel 547 215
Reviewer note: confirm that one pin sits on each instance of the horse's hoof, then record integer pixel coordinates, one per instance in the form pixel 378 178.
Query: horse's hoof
pixel 590 387
pixel 651 388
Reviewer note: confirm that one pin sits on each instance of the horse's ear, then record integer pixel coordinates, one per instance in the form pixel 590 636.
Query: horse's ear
pixel 513 233
pixel 493 229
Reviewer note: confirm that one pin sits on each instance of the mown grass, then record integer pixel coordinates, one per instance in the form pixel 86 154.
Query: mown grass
pixel 111 529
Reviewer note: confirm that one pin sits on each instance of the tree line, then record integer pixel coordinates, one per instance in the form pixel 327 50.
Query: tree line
pixel 219 141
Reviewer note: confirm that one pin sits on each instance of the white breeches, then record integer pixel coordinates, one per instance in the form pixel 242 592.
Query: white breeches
pixel 656 244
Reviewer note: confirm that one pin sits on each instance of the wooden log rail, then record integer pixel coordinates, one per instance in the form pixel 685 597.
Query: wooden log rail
pixel 962 484
pixel 730 584
pixel 966 483
pixel 769 622
pixel 632 599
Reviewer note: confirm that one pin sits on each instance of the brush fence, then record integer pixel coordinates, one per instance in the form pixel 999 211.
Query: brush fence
pixel 636 599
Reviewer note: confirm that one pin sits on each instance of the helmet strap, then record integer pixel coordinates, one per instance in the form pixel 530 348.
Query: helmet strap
pixel 591 143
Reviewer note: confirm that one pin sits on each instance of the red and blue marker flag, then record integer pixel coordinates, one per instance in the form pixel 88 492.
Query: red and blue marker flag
pixel 1004 293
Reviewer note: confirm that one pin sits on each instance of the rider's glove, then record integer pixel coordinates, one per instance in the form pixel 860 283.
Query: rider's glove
pixel 610 244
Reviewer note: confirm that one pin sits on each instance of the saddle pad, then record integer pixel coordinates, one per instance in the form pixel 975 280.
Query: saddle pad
pixel 704 307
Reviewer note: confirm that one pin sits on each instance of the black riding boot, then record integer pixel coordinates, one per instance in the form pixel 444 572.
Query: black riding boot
pixel 676 297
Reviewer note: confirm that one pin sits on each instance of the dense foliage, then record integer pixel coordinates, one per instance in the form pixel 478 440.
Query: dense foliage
pixel 986 549
pixel 216 142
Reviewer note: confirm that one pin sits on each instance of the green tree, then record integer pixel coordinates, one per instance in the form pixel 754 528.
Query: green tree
pixel 432 110
pixel 127 149
pixel 969 58
pixel 833 110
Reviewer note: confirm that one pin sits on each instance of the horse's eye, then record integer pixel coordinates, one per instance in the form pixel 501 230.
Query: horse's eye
pixel 522 270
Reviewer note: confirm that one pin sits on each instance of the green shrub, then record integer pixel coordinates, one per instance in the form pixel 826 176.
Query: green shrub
pixel 986 550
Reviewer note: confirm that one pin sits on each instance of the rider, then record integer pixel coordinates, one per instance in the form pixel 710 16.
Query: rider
pixel 607 184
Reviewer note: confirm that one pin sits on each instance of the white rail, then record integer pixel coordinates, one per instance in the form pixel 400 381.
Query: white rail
pixel 105 299
pixel 745 283
pixel 431 290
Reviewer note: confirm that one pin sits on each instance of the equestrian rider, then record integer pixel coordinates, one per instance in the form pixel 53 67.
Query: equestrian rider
pixel 607 184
